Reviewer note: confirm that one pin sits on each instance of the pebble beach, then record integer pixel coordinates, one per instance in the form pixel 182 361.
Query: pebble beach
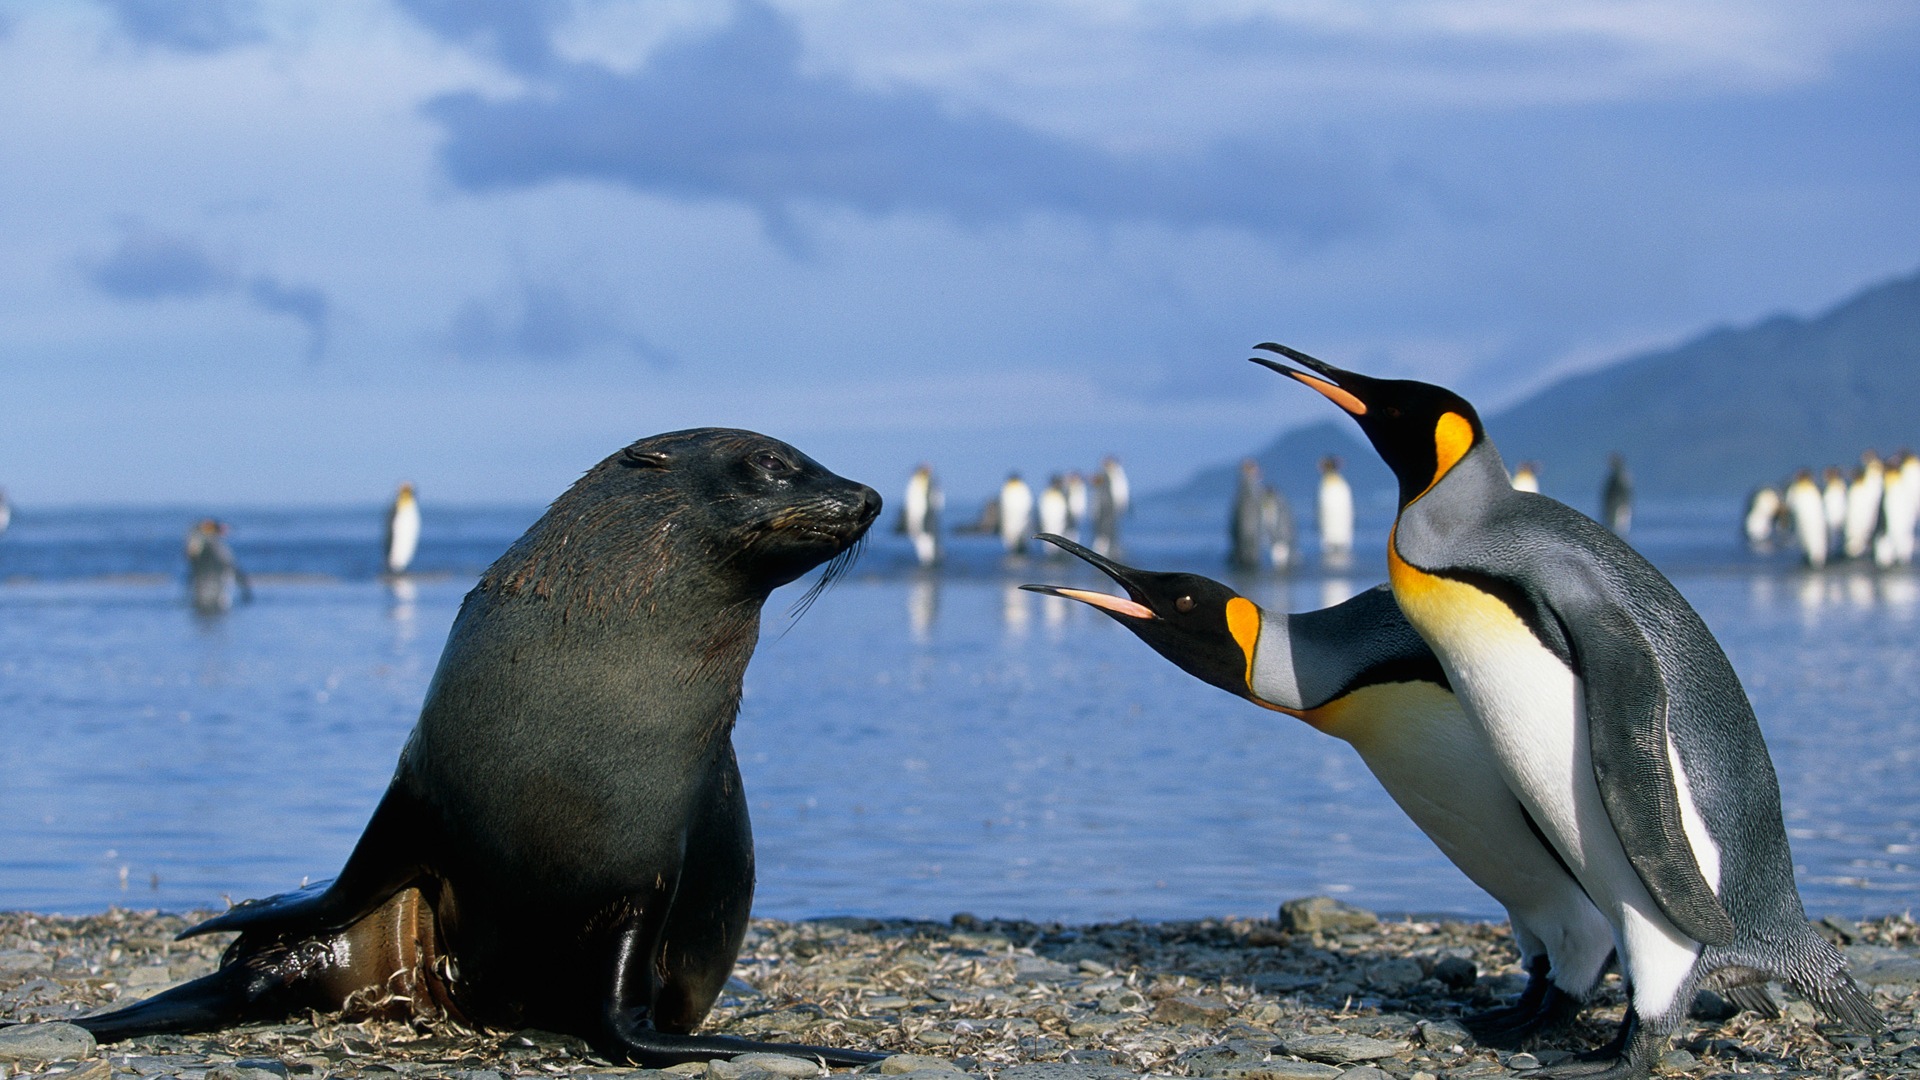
pixel 1322 991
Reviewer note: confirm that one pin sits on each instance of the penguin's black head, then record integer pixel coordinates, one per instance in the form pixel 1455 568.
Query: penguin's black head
pixel 1205 628
pixel 1421 430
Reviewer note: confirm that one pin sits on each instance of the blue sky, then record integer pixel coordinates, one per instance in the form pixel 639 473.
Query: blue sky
pixel 297 252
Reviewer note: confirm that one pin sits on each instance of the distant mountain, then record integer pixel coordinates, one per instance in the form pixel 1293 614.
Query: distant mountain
pixel 1731 409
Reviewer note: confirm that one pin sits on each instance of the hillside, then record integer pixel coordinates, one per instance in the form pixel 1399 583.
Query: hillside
pixel 1715 416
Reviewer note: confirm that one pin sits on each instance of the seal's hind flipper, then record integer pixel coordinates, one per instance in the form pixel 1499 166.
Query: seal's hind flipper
pixel 235 994
pixel 385 861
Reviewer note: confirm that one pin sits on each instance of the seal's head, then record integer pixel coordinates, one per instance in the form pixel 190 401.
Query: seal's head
pixel 722 512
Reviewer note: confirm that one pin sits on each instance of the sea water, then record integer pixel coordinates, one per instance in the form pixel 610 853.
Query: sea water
pixel 918 743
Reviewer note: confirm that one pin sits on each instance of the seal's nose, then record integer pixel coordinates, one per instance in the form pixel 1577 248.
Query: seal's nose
pixel 870 503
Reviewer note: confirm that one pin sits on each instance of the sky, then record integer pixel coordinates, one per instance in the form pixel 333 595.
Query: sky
pixel 297 252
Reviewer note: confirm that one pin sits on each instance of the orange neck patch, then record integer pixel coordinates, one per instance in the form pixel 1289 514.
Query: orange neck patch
pixel 1452 438
pixel 1243 622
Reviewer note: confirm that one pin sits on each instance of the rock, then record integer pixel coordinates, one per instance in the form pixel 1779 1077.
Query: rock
pixel 494 1074
pixel 1678 1061
pixel 1219 1060
pixel 1187 1009
pixel 1841 927
pixel 1325 914
pixel 1282 1069
pixel 247 1069
pixel 1092 1057
pixel 780 1064
pixel 1340 1049
pixel 1093 1027
pixel 1041 969
pixel 147 976
pixel 1122 1001
pixel 948 1073
pixel 1456 972
pixel 1280 983
pixel 1442 1034
pixel 901 1064
pixel 20 962
pixel 1888 971
pixel 1063 1070
pixel 687 1068
pixel 1366 1072
pixel 45 1042
pixel 1395 976
pixel 1523 1062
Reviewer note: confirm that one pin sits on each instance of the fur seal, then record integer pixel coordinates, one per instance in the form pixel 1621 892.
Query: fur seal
pixel 565 842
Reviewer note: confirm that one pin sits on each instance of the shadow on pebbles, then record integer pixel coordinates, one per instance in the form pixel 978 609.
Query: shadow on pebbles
pixel 1325 991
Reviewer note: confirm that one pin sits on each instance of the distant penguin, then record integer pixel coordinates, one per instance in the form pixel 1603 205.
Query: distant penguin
pixel 1359 672
pixel 1104 513
pixel 1899 509
pixel 1119 490
pixel 1615 715
pixel 1833 497
pixel 1245 524
pixel 1336 512
pixel 920 515
pixel 1863 506
pixel 1763 516
pixel 212 573
pixel 1616 496
pixel 1016 514
pixel 1054 511
pixel 403 530
pixel 1276 519
pixel 1527 477
pixel 1807 517
pixel 1076 503
pixel 6 511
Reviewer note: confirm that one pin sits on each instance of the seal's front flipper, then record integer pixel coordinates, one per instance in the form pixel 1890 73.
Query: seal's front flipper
pixel 658 1049
pixel 235 994
pixel 383 862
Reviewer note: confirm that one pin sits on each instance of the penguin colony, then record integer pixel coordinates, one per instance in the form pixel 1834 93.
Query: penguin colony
pixel 1872 515
pixel 1608 709
pixel 1071 504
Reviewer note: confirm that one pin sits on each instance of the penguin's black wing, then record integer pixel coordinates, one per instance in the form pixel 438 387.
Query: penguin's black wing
pixel 383 862
pixel 1578 578
pixel 1626 699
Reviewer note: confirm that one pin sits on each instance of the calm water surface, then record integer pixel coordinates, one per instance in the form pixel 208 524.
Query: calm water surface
pixel 917 744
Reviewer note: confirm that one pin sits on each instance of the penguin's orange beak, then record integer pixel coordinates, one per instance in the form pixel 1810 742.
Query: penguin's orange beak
pixel 1329 386
pixel 1130 605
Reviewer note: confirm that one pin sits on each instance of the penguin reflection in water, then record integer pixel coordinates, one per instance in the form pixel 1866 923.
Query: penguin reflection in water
pixel 212 572
pixel 1358 672
pixel 1611 710
pixel 565 842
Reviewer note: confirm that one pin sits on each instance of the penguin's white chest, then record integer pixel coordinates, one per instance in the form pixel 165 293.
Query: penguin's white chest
pixel 1532 709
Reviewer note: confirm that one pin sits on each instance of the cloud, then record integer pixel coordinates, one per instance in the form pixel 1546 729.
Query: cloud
pixel 543 321
pixel 188 26
pixel 735 115
pixel 305 303
pixel 518 33
pixel 149 265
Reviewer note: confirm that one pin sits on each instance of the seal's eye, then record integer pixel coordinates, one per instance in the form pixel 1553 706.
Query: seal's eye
pixel 771 463
pixel 1183 605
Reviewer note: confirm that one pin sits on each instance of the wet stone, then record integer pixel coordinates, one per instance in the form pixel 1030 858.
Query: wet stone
pixel 782 1065
pixel 1523 1062
pixel 1063 1070
pixel 249 1069
pixel 45 1042
pixel 21 961
pixel 1282 1069
pixel 1366 1072
pixel 902 1064
pixel 1340 1049
pixel 1218 1060
pixel 1456 972
pixel 1324 914
pixel 1395 976
pixel 1678 1061
pixel 1036 969
pixel 1187 1009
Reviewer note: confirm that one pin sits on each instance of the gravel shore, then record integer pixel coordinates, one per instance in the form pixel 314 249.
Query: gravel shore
pixel 1324 991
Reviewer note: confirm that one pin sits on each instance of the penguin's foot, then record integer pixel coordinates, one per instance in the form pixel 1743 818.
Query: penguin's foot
pixel 1517 1024
pixel 1629 1056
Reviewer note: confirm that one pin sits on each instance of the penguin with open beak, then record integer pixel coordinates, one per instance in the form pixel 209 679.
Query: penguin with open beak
pixel 1612 711
pixel 1359 672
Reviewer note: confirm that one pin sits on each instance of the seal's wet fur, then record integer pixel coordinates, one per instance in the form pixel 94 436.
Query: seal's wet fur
pixel 565 843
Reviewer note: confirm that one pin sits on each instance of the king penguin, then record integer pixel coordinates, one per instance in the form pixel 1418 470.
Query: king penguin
pixel 920 516
pixel 1016 514
pixel 1358 672
pixel 1527 477
pixel 1807 513
pixel 1613 713
pixel 403 531
pixel 1335 506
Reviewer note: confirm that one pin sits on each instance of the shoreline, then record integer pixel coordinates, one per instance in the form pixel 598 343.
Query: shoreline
pixel 1327 991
